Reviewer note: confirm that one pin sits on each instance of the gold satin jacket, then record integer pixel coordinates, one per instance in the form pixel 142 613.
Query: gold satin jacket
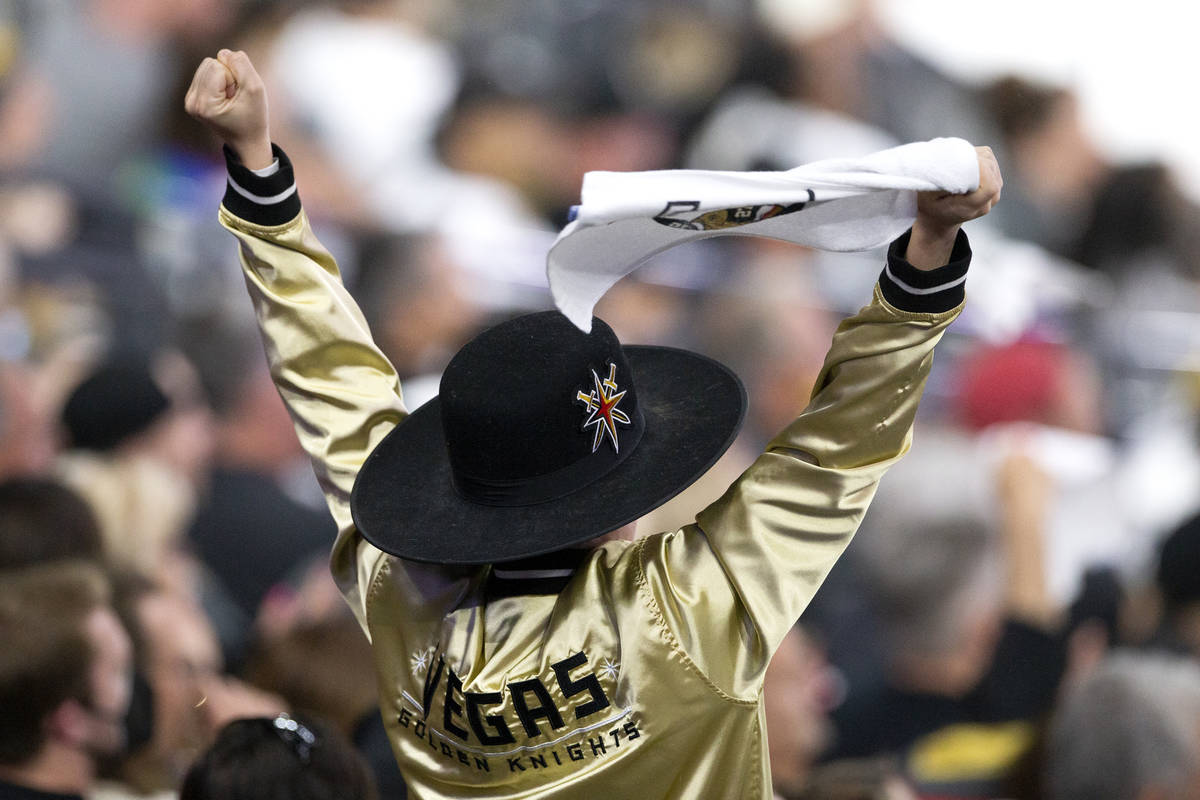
pixel 636 670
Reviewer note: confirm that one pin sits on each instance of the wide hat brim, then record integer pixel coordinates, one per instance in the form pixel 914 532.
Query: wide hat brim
pixel 405 503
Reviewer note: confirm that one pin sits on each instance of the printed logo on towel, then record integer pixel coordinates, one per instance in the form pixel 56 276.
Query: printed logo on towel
pixel 533 724
pixel 677 214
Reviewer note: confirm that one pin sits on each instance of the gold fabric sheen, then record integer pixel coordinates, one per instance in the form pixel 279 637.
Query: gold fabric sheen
pixel 643 677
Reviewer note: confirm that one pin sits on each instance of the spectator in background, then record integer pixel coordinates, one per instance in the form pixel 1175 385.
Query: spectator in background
pixel 1178 580
pixel 190 698
pixel 797 694
pixel 42 521
pixel 1140 220
pixel 322 667
pixel 1069 198
pixel 557 148
pixel 1128 731
pixel 1058 166
pixel 938 593
pixel 179 663
pixel 419 302
pixel 64 680
pixel 26 445
pixel 1045 401
pixel 1032 381
pixel 374 162
pixel 969 667
pixel 249 532
pixel 278 758
pixel 75 161
pixel 60 117
pixel 768 119
pixel 845 61
pixel 140 440
pixel 769 323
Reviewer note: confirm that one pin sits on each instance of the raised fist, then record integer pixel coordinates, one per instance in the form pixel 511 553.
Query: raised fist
pixel 941 214
pixel 229 97
pixel 940 208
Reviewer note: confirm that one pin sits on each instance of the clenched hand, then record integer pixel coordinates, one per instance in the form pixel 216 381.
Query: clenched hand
pixel 229 97
pixel 941 214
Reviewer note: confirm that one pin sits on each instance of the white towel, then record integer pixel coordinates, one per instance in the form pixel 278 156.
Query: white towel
pixel 837 204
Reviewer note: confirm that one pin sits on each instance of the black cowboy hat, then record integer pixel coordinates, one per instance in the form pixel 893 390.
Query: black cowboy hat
pixel 543 437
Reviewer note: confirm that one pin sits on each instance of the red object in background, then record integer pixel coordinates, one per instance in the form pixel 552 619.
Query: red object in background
pixel 1020 382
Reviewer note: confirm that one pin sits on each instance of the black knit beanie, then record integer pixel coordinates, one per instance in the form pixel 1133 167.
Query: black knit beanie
pixel 117 401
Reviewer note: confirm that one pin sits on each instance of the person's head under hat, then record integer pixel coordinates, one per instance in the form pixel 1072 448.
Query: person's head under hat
pixel 138 447
pixel 150 403
pixel 543 438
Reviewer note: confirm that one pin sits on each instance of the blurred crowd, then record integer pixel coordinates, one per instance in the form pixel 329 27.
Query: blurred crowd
pixel 1019 616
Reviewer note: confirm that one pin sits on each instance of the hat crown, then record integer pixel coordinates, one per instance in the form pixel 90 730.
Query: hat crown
pixel 535 408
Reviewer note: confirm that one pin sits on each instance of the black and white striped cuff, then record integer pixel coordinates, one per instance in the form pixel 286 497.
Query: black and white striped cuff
pixel 925 291
pixel 264 197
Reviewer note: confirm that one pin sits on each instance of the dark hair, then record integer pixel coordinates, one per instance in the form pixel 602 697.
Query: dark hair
pixel 226 354
pixel 279 759
pixel 45 653
pixel 1021 107
pixel 1178 573
pixel 321 667
pixel 42 521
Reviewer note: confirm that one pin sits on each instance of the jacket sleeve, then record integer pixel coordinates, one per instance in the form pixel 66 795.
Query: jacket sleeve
pixel 728 588
pixel 342 393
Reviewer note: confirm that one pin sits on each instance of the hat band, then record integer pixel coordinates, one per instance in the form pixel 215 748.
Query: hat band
pixel 513 492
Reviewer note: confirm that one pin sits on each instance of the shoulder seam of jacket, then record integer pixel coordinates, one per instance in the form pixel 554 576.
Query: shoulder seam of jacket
pixel 672 641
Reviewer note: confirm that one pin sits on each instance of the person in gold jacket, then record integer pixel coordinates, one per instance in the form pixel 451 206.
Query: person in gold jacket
pixel 525 644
